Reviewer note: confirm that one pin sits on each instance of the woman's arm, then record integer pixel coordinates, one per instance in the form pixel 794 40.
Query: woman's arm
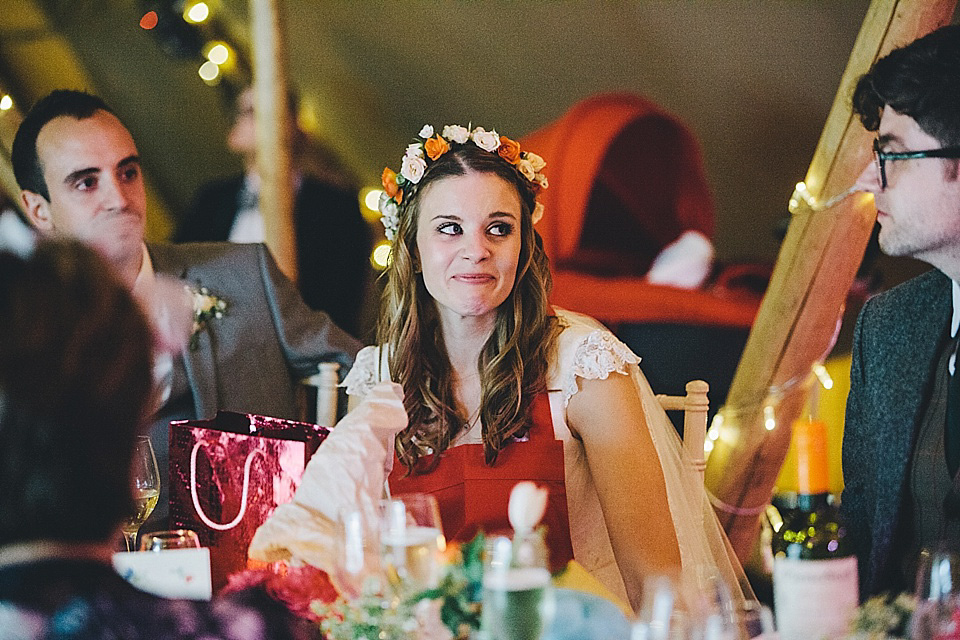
pixel 608 416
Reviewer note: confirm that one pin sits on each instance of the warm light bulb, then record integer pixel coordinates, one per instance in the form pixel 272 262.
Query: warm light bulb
pixel 197 12
pixel 713 433
pixel 381 256
pixel 707 446
pixel 769 419
pixel 149 20
pixel 6 102
pixel 372 199
pixel 218 53
pixel 823 376
pixel 209 71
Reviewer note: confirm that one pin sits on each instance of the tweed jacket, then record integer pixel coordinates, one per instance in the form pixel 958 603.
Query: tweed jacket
pixel 333 241
pixel 894 354
pixel 252 358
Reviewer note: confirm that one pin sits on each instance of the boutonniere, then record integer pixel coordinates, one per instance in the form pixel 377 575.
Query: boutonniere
pixel 206 307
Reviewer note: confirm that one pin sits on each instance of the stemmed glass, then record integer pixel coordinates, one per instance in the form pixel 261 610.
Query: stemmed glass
pixel 165 540
pixel 938 594
pixel 411 543
pixel 357 569
pixel 145 478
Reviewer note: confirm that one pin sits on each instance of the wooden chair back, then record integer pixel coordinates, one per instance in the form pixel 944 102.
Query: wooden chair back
pixel 694 405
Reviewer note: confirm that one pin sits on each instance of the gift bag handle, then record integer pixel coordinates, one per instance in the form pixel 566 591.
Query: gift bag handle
pixel 243 499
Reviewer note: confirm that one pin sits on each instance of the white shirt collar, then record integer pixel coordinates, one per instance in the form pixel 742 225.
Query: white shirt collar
pixel 955 320
pixel 146 276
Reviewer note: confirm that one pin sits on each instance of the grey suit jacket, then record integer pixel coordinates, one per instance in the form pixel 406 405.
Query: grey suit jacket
pixel 894 354
pixel 251 359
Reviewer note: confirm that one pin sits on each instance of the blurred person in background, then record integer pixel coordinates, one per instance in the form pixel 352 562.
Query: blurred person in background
pixel 333 240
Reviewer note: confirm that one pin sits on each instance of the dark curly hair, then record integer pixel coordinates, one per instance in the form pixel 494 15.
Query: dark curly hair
pixel 920 80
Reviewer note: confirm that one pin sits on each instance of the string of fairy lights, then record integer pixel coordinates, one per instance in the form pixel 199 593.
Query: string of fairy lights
pixel 768 406
pixel 801 202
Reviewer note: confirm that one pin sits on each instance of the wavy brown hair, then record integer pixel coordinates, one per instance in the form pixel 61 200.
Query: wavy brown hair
pixel 513 362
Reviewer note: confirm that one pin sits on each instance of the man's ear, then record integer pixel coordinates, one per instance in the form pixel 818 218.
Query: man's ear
pixel 37 210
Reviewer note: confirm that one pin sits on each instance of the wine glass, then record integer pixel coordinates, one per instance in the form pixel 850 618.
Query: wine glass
pixel 661 615
pixel 145 478
pixel 411 542
pixel 938 593
pixel 754 620
pixel 173 539
pixel 357 570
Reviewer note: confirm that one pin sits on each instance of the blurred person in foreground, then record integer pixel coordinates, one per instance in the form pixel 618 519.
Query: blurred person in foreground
pixel 75 379
pixel 253 338
pixel 901 444
pixel 333 240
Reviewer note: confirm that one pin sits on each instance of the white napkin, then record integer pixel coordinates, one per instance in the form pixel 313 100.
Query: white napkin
pixel 684 263
pixel 346 471
pixel 526 507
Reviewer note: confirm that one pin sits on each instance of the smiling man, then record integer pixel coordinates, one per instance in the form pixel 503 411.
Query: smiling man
pixel 901 446
pixel 79 171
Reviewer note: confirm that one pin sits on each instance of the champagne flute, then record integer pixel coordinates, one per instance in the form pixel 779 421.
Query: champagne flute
pixel 145 480
pixel 357 570
pixel 411 543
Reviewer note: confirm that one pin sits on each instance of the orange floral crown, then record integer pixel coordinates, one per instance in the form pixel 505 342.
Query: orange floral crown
pixel 430 146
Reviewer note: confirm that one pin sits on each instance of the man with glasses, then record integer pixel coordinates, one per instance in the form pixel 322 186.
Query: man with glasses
pixel 901 447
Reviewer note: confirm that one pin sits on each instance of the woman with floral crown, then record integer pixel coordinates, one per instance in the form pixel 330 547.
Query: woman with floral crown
pixel 500 387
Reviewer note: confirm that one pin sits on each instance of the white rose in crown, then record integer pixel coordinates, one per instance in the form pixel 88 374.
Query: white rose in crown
pixel 535 160
pixel 426 132
pixel 528 503
pixel 525 167
pixel 414 150
pixel 486 140
pixel 542 181
pixel 389 216
pixel 387 205
pixel 412 168
pixel 456 133
pixel 537 213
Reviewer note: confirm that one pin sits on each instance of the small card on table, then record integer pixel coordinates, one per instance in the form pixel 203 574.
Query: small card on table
pixel 171 573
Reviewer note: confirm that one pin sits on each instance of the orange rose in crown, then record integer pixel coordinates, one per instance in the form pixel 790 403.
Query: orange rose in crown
pixel 436 147
pixel 509 149
pixel 389 180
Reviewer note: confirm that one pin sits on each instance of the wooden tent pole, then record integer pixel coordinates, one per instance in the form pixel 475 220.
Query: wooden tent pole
pixel 816 266
pixel 274 129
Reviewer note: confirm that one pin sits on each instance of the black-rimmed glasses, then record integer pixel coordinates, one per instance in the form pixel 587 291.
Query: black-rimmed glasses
pixel 882 157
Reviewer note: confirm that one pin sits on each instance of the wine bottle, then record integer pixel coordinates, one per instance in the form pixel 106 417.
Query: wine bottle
pixel 814 567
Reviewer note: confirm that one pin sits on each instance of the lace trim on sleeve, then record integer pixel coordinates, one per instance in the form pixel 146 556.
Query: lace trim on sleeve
pixel 596 357
pixel 363 375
